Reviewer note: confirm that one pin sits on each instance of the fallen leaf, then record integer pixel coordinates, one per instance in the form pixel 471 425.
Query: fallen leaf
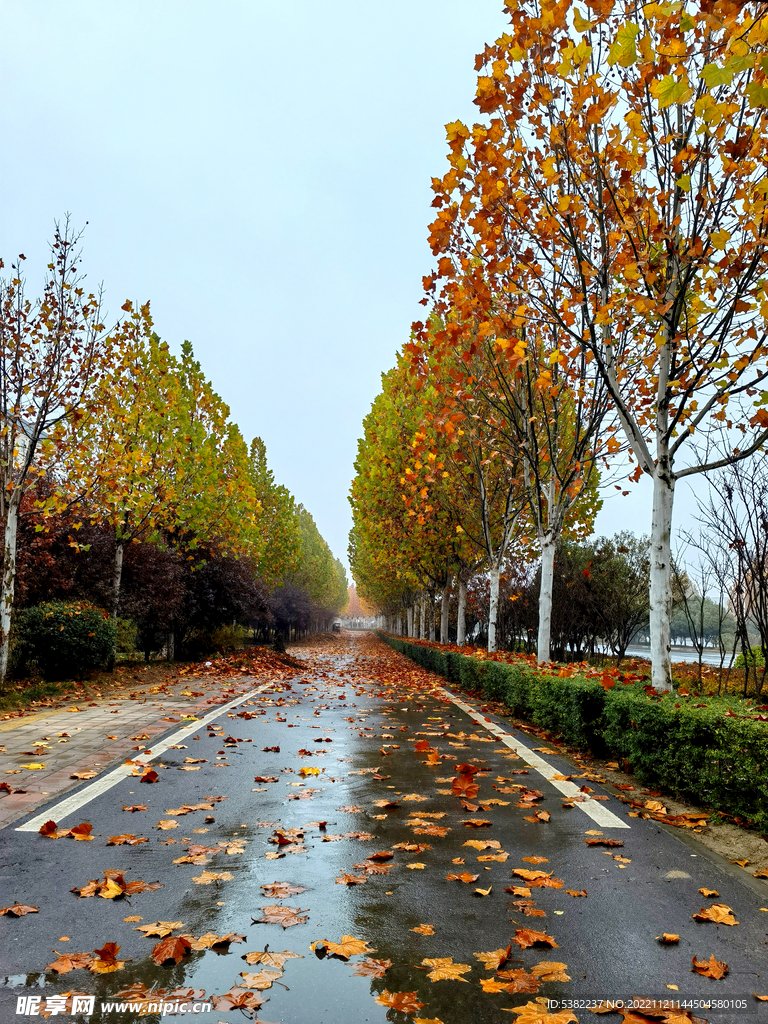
pixel 484 892
pixel 668 938
pixel 70 962
pixel 463 877
pixel 260 980
pixel 655 806
pixel 512 982
pixel 159 929
pixel 424 929
pixel 576 892
pixel 444 969
pixel 709 892
pixel 550 970
pixel 347 879
pixel 525 937
pixel 720 913
pixel 126 839
pixel 463 785
pixel 172 948
pixel 212 876
pixel 135 807
pixel 535 860
pixel 404 1002
pixel 285 916
pixel 711 968
pixel 271 959
pixel 371 968
pixel 536 1013
pixel 238 998
pixel 349 946
pixel 529 908
pixel 280 890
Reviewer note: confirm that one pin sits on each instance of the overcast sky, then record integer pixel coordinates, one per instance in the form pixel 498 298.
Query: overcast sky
pixel 260 171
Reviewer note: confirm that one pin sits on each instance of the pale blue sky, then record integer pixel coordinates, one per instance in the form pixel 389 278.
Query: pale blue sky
pixel 261 172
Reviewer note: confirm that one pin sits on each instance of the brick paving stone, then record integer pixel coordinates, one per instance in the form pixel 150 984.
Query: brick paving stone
pixel 86 745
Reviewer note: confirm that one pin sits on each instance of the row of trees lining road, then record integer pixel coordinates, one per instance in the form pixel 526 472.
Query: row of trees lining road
pixel 601 246
pixel 119 456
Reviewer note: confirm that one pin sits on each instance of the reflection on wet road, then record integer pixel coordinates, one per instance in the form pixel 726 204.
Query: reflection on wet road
pixel 438 874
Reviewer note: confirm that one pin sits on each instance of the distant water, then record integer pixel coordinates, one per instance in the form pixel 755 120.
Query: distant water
pixel 710 656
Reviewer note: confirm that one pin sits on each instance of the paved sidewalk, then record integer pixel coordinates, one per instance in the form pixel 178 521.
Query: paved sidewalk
pixel 91 736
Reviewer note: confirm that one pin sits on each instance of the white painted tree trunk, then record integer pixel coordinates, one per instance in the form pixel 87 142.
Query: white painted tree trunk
pixel 430 617
pixel 409 615
pixel 445 605
pixel 661 577
pixel 423 617
pixel 461 615
pixel 493 609
pixel 545 597
pixel 8 586
pixel 117 577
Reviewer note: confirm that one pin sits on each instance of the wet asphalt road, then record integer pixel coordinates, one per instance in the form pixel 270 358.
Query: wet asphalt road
pixel 372 710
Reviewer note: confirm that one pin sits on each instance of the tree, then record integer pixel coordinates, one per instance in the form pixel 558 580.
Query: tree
pixel 128 450
pixel 403 541
pixel 53 352
pixel 735 517
pixel 277 520
pixel 619 584
pixel 520 415
pixel 617 195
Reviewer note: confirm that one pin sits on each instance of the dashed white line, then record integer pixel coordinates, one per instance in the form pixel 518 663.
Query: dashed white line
pixel 593 808
pixel 73 803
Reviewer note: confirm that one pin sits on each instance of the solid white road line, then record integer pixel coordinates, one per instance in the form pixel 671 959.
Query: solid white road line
pixel 594 808
pixel 74 803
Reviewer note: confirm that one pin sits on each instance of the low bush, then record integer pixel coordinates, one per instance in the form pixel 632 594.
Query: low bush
pixel 712 750
pixel 127 637
pixel 63 639
pixel 755 657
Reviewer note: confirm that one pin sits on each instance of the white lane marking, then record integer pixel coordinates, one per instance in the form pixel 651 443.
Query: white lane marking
pixel 594 808
pixel 74 803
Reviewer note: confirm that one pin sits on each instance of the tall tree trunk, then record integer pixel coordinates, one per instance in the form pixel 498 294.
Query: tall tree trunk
pixel 431 616
pixel 422 616
pixel 409 616
pixel 661 577
pixel 8 585
pixel 461 614
pixel 117 576
pixel 445 606
pixel 548 546
pixel 493 607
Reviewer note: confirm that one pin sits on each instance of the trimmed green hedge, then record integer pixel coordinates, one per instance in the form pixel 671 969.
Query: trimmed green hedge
pixel 701 753
pixel 64 639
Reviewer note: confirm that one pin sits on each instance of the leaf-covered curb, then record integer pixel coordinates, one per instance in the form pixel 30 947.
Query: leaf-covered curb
pixel 700 748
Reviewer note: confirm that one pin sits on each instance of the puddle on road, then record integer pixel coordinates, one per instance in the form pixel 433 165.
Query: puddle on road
pixel 384 911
